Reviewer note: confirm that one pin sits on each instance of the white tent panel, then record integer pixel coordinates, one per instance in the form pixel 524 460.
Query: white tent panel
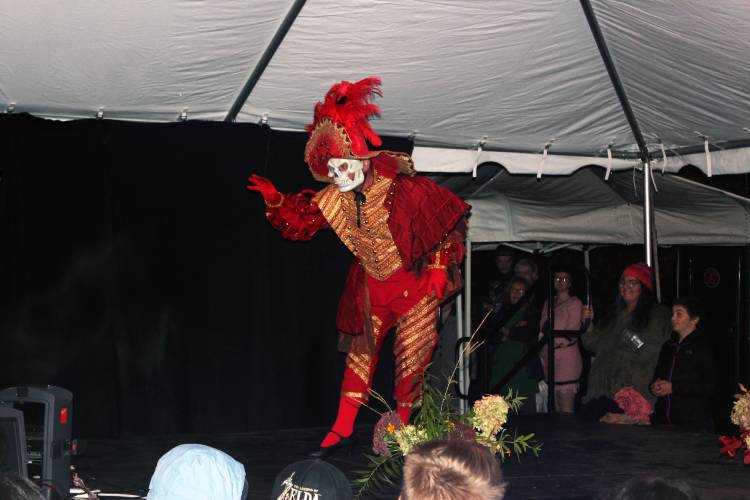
pixel 689 213
pixel 515 74
pixel 564 209
pixel 729 161
pixel 583 208
pixel 684 65
pixel 427 159
pixel 138 60
pixel 430 159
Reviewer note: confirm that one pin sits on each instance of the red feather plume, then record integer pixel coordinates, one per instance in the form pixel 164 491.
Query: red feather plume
pixel 349 104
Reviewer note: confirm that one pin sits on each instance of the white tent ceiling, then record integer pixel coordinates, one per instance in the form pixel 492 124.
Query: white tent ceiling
pixel 583 208
pixel 513 75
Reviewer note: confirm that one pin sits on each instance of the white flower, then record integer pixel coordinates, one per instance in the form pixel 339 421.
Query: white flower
pixel 409 436
pixel 741 411
pixel 490 414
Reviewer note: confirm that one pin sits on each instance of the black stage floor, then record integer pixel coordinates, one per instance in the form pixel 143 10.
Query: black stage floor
pixel 579 460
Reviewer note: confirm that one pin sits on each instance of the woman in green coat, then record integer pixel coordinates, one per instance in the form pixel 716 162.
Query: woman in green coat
pixel 627 342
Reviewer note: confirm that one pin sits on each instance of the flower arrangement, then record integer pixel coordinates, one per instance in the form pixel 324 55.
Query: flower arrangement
pixel 740 417
pixel 436 419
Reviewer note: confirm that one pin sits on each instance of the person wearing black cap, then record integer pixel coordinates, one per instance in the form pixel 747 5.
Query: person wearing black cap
pixel 311 479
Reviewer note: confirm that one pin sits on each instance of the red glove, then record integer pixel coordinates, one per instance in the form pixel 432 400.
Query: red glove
pixel 262 185
pixel 436 279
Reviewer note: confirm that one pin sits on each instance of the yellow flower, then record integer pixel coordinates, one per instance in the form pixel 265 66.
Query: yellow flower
pixel 390 428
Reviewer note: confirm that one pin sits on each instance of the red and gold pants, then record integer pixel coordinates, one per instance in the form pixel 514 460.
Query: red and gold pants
pixel 401 301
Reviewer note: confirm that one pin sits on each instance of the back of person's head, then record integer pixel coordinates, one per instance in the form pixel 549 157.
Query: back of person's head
pixel 197 472
pixel 313 479
pixel 452 470
pixel 692 305
pixel 15 487
pixel 653 488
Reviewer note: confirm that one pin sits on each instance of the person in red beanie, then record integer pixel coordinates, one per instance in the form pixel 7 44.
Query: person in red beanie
pixel 405 231
pixel 627 341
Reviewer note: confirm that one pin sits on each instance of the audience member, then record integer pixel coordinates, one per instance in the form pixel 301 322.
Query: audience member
pixel 568 363
pixel 685 373
pixel 527 269
pixel 503 259
pixel 653 488
pixel 513 340
pixel 626 343
pixel 197 472
pixel 15 487
pixel 452 470
pixel 311 479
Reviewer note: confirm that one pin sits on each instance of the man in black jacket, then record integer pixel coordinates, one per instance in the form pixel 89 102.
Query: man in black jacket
pixel 685 374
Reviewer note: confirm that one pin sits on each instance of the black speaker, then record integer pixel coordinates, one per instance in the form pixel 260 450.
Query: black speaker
pixel 47 421
pixel 12 442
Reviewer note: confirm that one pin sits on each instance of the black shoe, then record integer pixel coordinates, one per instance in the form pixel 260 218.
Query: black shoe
pixel 344 443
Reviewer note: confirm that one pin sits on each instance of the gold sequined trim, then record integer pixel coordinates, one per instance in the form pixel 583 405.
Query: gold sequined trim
pixel 416 337
pixel 372 242
pixel 405 404
pixel 326 130
pixel 361 364
pixel 356 395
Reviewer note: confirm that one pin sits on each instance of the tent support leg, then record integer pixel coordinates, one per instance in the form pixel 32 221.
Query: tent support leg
pixel 465 360
pixel 648 214
pixel 460 329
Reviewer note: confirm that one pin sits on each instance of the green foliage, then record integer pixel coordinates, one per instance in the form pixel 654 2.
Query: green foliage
pixel 436 418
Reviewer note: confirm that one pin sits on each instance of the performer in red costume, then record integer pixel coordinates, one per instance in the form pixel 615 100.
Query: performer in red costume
pixel 406 233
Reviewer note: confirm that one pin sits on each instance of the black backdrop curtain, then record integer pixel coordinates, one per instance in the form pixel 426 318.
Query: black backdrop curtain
pixel 138 272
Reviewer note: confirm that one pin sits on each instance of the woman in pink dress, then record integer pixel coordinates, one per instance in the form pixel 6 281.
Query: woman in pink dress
pixel 568 363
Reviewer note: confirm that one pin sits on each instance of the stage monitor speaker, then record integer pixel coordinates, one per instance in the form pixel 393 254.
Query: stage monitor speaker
pixel 48 421
pixel 12 442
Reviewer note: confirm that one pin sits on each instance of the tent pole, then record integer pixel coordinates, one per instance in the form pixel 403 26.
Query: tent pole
pixel 459 336
pixel 647 214
pixel 465 360
pixel 634 127
pixel 746 307
pixel 677 274
pixel 614 77
pixel 260 67
pixel 739 345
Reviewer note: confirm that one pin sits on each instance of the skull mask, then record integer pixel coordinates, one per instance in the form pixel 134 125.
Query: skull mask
pixel 348 174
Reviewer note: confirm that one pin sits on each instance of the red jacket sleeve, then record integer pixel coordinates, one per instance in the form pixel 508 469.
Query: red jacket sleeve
pixel 297 216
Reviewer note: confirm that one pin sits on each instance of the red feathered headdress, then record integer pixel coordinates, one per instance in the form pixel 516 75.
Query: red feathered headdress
pixel 341 129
